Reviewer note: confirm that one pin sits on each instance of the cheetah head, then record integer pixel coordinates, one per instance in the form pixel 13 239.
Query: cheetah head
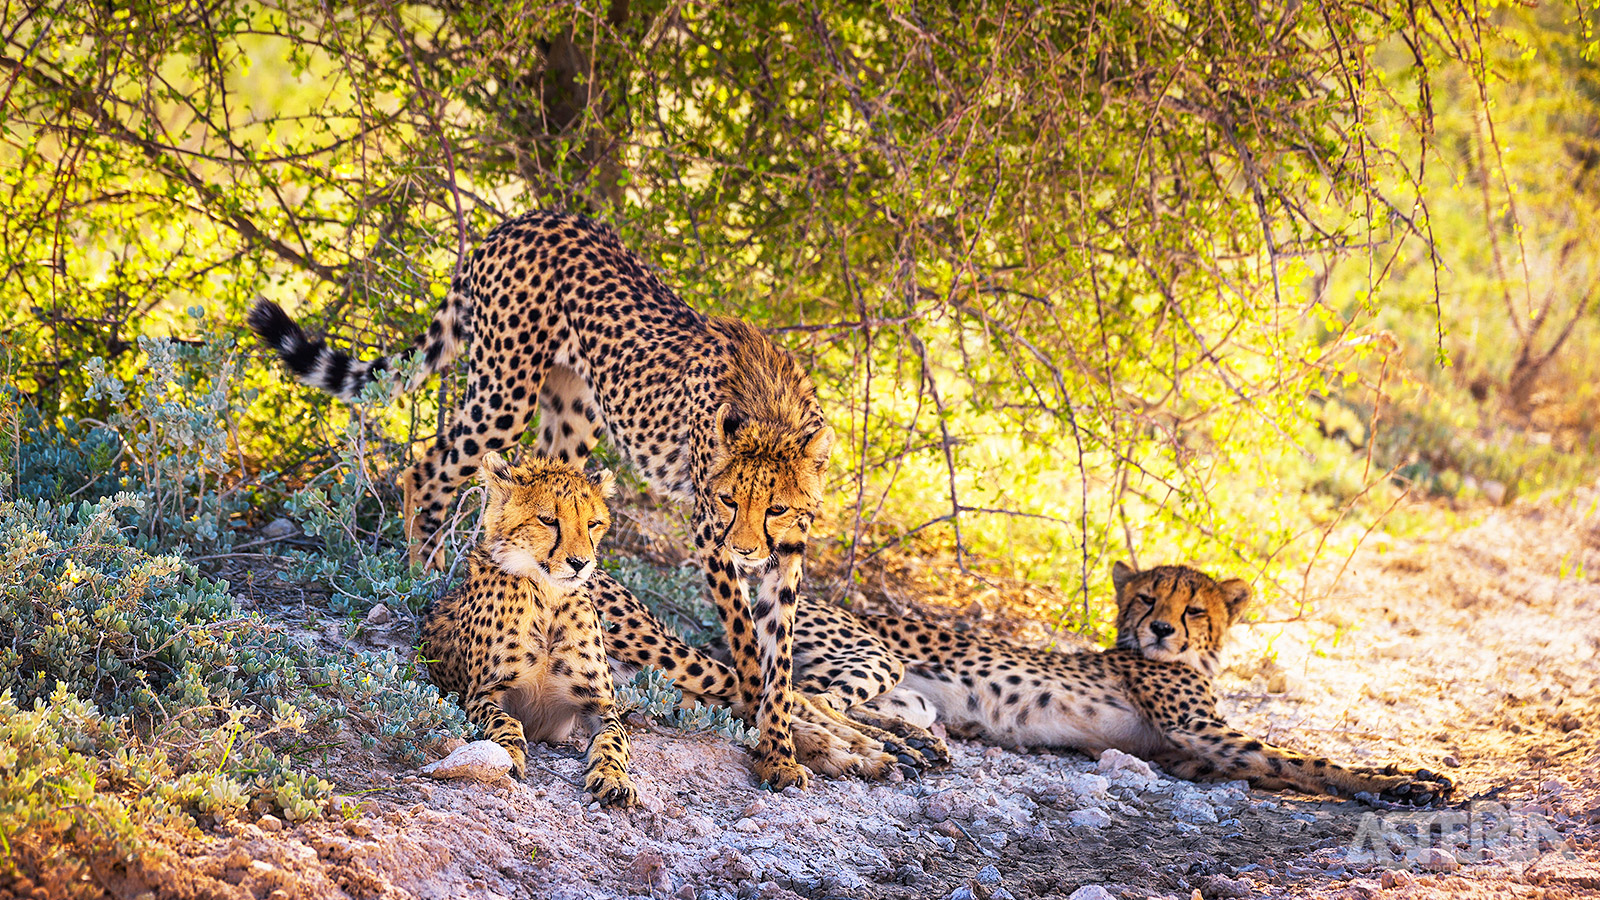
pixel 544 518
pixel 1176 614
pixel 766 485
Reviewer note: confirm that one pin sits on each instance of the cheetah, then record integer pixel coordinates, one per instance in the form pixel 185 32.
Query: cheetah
pixel 520 640
pixel 1150 696
pixel 566 323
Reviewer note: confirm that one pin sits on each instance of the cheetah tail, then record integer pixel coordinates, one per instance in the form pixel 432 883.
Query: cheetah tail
pixel 314 363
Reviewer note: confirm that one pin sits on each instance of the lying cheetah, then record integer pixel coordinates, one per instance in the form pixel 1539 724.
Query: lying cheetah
pixel 567 323
pixel 519 641
pixel 1150 696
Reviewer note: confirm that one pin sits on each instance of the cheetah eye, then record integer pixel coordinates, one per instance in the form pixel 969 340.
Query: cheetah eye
pixel 1146 599
pixel 727 500
pixel 777 510
pixel 595 524
pixel 1197 610
pixel 548 520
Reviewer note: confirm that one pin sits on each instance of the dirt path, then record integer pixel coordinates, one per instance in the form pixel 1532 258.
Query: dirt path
pixel 1478 651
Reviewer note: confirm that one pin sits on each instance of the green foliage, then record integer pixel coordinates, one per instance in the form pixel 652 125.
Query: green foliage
pixel 676 596
pixel 354 511
pixel 651 692
pixel 1049 270
pixel 144 692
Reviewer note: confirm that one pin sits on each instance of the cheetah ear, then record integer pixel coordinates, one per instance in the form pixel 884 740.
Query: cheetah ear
pixel 1235 593
pixel 497 475
pixel 1121 574
pixel 819 445
pixel 605 482
pixel 727 423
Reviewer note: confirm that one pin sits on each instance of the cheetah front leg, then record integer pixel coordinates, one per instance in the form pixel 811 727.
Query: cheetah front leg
pixel 1208 748
pixel 484 709
pixel 775 763
pixel 605 775
pixel 636 639
pixel 774 614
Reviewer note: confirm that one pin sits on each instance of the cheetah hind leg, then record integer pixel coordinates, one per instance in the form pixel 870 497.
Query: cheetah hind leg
pixel 913 749
pixel 569 417
pixel 829 744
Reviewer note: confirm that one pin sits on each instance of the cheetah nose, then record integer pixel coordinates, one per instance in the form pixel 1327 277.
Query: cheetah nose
pixel 577 564
pixel 1161 629
pixel 743 551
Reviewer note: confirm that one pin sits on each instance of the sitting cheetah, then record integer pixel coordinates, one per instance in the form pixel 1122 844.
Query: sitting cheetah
pixel 519 641
pixel 1150 696
pixel 567 323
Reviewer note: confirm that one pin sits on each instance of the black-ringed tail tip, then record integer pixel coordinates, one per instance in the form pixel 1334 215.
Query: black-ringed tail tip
pixel 311 360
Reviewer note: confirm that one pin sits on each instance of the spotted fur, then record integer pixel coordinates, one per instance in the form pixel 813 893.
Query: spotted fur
pixel 1150 696
pixel 566 323
pixel 520 641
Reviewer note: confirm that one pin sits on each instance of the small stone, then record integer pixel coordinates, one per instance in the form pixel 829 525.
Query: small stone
pixel 378 615
pixel 1092 817
pixel 650 869
pixel 937 809
pixel 270 822
pixel 1001 893
pixel 756 808
pixel 1091 892
pixel 746 825
pixel 479 760
pixel 279 894
pixel 947 844
pixel 1195 810
pixel 988 875
pixel 1452 762
pixel 1394 878
pixel 1495 492
pixel 996 840
pixel 686 892
pixel 961 893
pixel 1278 683
pixel 1115 760
pixel 278 529
pixel 1436 860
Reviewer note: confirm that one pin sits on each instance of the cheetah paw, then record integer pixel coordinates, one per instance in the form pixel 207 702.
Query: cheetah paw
pixel 611 786
pixel 1418 788
pixel 776 773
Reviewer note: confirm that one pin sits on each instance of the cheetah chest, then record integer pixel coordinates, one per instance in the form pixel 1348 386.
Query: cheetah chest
pixel 545 647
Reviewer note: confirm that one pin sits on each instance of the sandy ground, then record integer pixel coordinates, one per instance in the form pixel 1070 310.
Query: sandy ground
pixel 1473 652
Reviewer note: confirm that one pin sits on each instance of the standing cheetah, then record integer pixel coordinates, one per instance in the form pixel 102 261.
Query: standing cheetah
pixel 519 641
pixel 567 323
pixel 1150 696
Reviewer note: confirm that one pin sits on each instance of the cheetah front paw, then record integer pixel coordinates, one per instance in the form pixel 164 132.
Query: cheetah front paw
pixel 610 784
pixel 777 772
pixel 834 750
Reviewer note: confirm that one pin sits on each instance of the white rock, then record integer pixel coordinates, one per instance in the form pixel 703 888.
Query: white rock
pixel 1001 893
pixel 961 893
pixel 1436 860
pixel 988 875
pixel 1495 491
pixel 1091 892
pixel 1114 761
pixel 1088 785
pixel 479 760
pixel 379 615
pixel 1195 809
pixel 1092 817
pixel 279 528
